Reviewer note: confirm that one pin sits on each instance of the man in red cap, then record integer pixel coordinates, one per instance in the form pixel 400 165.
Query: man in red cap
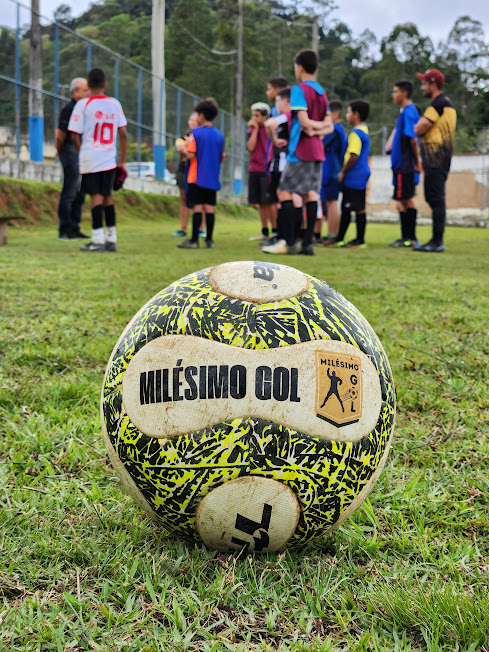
pixel 437 131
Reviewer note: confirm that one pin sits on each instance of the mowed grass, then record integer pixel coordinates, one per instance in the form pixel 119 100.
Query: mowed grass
pixel 82 567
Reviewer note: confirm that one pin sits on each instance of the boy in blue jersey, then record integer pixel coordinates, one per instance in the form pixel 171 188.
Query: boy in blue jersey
pixel 354 176
pixel 303 170
pixel 334 149
pixel 205 150
pixel 405 154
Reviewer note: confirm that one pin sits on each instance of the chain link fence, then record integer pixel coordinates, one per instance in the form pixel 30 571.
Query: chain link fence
pixel 67 54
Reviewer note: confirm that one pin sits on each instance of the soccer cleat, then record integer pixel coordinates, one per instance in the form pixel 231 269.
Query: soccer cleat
pixel 258 237
pixel 354 244
pixel 397 243
pixel 409 244
pixel 332 242
pixel 79 236
pixel 436 247
pixel 179 234
pixel 110 246
pixel 188 244
pixel 307 250
pixel 280 247
pixel 93 246
pixel 202 233
pixel 66 236
pixel 269 242
pixel 210 244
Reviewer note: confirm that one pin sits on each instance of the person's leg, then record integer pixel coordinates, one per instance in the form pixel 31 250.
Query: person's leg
pixel 184 213
pixel 361 219
pixel 210 218
pixel 111 232
pixel 333 214
pixel 345 218
pixel 68 192
pixel 434 189
pixel 311 203
pixel 411 217
pixel 97 204
pixel 263 210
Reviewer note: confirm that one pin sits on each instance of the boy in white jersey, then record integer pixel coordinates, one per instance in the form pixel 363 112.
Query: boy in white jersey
pixel 96 122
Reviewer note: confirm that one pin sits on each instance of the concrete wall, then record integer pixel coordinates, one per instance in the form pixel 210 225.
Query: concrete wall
pixel 467 192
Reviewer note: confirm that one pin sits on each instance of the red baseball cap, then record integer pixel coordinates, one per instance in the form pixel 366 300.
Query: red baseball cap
pixel 432 75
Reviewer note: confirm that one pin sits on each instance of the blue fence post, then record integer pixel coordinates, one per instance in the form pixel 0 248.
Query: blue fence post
pixel 56 74
pixel 89 56
pixel 17 85
pixel 140 115
pixel 159 150
pixel 116 79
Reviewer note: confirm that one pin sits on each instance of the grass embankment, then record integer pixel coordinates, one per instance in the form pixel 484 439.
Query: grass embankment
pixel 81 567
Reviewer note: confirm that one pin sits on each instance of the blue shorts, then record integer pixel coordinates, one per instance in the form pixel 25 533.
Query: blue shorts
pixel 330 190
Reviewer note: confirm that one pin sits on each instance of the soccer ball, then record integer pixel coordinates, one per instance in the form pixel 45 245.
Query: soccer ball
pixel 248 406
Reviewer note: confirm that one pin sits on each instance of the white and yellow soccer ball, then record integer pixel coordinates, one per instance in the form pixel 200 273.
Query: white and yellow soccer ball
pixel 248 405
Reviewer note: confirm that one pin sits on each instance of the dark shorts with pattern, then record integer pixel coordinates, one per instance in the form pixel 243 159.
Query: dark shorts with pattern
pixel 302 177
pixel 258 184
pixel 98 183
pixel 404 186
pixel 199 195
pixel 181 179
pixel 353 199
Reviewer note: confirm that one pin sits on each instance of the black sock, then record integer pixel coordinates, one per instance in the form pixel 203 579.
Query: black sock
pixel 98 217
pixel 265 231
pixel 411 216
pixel 110 215
pixel 288 221
pixel 361 226
pixel 209 225
pixel 196 222
pixel 311 213
pixel 403 221
pixel 344 224
pixel 279 223
pixel 299 217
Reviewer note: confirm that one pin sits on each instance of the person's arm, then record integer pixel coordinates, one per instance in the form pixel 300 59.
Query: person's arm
pixel 76 140
pixel 422 126
pixel 191 148
pixel 271 126
pixel 122 146
pixel 416 153
pixel 388 145
pixel 253 137
pixel 315 127
pixel 347 167
pixel 59 140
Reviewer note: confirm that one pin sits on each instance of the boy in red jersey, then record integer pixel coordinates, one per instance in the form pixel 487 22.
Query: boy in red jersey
pixel 303 171
pixel 258 183
pixel 100 120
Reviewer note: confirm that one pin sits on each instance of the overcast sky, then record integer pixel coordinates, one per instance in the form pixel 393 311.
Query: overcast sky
pixel 434 19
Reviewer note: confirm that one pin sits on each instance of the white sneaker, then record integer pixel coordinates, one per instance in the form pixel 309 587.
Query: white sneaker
pixel 258 237
pixel 280 247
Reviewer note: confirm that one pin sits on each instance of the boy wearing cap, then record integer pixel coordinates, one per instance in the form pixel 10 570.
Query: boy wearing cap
pixel 258 182
pixel 437 131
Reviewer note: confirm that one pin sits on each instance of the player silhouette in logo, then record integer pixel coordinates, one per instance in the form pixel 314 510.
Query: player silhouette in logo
pixel 333 389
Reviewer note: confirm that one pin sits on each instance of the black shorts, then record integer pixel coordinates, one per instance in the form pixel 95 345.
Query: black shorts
pixel 353 199
pixel 272 187
pixel 98 183
pixel 258 185
pixel 181 178
pixel 404 186
pixel 199 195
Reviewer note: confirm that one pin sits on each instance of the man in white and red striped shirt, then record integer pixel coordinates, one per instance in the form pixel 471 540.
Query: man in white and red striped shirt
pixel 95 123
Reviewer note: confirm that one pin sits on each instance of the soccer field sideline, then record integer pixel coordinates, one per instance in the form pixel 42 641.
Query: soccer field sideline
pixel 83 568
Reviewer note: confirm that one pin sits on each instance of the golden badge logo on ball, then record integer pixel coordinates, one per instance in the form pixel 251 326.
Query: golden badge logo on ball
pixel 248 406
pixel 339 385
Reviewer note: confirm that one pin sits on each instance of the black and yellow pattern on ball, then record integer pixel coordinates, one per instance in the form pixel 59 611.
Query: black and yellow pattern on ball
pixel 175 474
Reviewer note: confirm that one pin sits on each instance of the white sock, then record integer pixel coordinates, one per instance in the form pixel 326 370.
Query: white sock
pixel 98 236
pixel 111 234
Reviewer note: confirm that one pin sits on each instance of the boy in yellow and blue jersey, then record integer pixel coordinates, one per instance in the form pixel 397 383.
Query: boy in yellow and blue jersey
pixel 354 176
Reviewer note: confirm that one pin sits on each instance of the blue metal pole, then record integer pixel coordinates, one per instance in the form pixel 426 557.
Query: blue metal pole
pixel 17 86
pixel 116 79
pixel 89 56
pixel 159 149
pixel 56 74
pixel 140 115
